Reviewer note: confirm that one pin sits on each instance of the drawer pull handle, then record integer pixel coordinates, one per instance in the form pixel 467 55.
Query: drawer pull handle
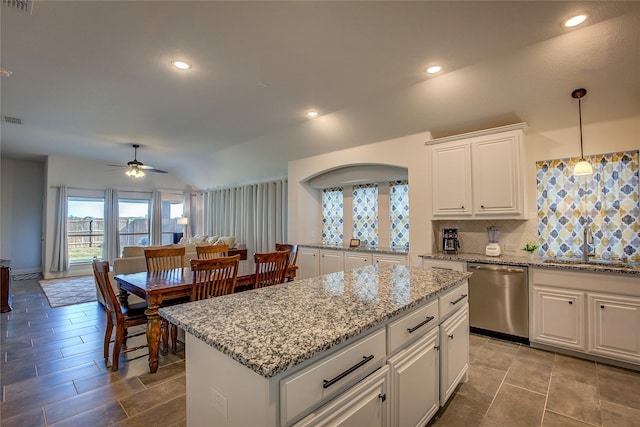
pixel 332 381
pixel 459 299
pixel 421 324
pixel 571 302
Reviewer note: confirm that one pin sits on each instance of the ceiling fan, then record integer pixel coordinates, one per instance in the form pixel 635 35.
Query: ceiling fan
pixel 137 169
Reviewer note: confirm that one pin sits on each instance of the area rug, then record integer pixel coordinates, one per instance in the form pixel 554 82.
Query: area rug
pixel 69 291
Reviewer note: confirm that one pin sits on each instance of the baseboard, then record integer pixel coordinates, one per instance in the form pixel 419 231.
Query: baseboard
pixel 21 271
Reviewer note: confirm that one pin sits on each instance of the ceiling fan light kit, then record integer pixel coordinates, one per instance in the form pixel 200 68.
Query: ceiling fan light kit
pixel 135 168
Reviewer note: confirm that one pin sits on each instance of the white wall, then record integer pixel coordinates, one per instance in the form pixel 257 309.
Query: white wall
pixel 91 175
pixel 408 152
pixel 21 218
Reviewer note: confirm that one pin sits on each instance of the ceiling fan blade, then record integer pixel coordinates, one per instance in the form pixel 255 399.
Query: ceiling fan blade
pixel 118 166
pixel 155 170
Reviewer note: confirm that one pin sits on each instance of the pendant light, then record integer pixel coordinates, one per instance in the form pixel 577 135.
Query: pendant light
pixel 582 167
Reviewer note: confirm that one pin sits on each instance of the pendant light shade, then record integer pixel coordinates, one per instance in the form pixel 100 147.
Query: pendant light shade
pixel 582 167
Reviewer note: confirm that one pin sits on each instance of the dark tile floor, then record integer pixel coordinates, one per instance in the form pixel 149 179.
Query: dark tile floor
pixel 52 374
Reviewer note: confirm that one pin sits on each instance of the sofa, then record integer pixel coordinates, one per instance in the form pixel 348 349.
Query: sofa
pixel 133 260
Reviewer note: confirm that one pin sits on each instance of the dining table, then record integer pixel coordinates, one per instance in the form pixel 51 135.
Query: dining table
pixel 171 286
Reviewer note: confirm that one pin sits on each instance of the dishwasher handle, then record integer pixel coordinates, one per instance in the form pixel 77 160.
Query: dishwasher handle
pixel 498 268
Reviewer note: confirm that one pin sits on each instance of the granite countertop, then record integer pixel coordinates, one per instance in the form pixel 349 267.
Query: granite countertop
pixel 373 249
pixel 272 329
pixel 573 265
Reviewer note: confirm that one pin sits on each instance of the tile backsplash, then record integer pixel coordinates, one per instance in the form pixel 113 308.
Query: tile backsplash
pixel 473 234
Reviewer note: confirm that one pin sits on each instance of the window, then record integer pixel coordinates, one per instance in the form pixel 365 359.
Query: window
pixel 606 202
pixel 332 220
pixel 85 228
pixel 365 213
pixel 172 209
pixel 399 213
pixel 133 222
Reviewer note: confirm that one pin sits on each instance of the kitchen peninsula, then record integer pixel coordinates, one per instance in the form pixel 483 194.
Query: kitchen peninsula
pixel 383 342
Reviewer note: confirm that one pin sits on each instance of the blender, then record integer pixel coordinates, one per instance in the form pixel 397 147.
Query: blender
pixel 493 247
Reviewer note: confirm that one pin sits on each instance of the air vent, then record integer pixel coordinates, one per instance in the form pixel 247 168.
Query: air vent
pixel 12 120
pixel 23 5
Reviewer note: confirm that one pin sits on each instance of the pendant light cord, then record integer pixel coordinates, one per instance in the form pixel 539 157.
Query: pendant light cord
pixel 580 118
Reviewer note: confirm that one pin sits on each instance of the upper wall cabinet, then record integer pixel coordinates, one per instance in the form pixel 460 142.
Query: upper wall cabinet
pixel 479 175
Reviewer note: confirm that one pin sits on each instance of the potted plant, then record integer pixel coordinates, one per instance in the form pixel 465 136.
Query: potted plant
pixel 530 248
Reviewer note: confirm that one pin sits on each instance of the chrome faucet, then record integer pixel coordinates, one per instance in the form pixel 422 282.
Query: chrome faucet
pixel 587 241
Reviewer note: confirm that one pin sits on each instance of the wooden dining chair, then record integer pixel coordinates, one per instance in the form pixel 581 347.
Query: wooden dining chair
pixel 120 317
pixel 163 259
pixel 293 258
pixel 214 277
pixel 212 251
pixel 271 268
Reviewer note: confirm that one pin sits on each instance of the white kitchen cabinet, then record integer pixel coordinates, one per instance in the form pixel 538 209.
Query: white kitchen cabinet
pixel 390 259
pixel 479 175
pixel 451 179
pixel 611 330
pixel 454 352
pixel 365 404
pixel 356 259
pixel 414 387
pixel 498 182
pixel 593 313
pixel 308 263
pixel 331 261
pixel 558 317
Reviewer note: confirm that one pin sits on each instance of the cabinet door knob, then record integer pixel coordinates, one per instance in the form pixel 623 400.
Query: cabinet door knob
pixel 461 207
pixel 571 302
pixel 482 206
pixel 382 397
pixel 450 336
pixel 602 307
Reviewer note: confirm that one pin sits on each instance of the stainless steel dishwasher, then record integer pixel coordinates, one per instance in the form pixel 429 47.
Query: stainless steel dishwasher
pixel 499 301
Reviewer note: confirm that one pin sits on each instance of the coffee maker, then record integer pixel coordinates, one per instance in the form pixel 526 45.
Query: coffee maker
pixel 450 242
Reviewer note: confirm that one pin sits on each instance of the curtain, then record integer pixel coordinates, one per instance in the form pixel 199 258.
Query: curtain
pixel 111 226
pixel 60 259
pixel 605 202
pixel 254 214
pixel 156 218
pixel 186 212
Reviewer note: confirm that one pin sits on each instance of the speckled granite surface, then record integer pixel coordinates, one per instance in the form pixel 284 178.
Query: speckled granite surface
pixel 576 265
pixel 272 329
pixel 377 250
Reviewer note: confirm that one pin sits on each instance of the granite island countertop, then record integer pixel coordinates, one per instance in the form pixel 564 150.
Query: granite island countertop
pixel 272 329
pixel 372 249
pixel 523 261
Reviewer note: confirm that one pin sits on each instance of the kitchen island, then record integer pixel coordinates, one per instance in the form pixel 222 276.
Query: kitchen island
pixel 284 354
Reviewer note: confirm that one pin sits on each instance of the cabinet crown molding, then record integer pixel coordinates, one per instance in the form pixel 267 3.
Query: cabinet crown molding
pixel 517 126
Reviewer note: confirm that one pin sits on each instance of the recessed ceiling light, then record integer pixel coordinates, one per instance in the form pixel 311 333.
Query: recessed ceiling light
pixel 312 113
pixel 181 65
pixel 434 69
pixel 575 20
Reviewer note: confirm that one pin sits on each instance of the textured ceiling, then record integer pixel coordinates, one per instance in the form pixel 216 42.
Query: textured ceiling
pixel 91 78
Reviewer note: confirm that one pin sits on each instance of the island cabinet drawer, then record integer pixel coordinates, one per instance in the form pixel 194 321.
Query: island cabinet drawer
pixel 330 375
pixel 412 325
pixel 453 299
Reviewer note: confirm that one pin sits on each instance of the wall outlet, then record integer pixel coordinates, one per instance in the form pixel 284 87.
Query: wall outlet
pixel 219 402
